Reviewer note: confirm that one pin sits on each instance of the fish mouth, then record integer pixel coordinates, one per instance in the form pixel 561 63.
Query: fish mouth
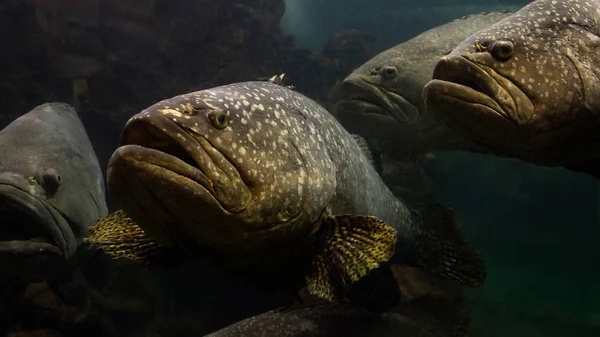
pixel 154 144
pixel 174 182
pixel 29 226
pixel 358 96
pixel 164 143
pixel 475 100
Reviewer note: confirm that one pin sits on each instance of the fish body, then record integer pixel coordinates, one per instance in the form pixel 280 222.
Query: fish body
pixel 382 99
pixel 337 319
pixel 51 191
pixel 256 173
pixel 527 87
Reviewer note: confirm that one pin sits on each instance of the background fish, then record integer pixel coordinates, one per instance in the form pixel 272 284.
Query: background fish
pixel 337 319
pixel 51 191
pixel 382 99
pixel 254 173
pixel 527 87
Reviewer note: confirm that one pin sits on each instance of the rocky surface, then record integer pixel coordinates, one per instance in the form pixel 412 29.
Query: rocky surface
pixel 112 58
pixel 117 57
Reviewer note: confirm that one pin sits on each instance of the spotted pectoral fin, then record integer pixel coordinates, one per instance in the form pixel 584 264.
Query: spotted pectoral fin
pixel 118 236
pixel 347 248
pixel 280 80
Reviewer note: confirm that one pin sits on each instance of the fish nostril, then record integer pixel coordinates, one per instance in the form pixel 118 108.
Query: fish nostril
pixel 189 110
pixel 482 46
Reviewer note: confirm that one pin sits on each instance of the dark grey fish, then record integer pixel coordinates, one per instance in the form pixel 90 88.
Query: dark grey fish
pixel 528 87
pixel 254 173
pixel 382 99
pixel 51 191
pixel 343 320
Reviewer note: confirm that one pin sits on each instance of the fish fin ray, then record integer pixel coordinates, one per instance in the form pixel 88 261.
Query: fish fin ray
pixel 344 253
pixel 121 238
pixel 280 80
pixel 443 248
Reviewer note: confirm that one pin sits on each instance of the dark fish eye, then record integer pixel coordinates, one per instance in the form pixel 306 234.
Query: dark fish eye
pixel 51 180
pixel 389 71
pixel 503 50
pixel 218 119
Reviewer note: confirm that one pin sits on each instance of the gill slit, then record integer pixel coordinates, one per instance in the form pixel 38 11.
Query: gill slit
pixel 581 82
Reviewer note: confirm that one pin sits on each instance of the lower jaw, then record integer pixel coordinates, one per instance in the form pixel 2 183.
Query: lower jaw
pixel 28 248
pixel 33 268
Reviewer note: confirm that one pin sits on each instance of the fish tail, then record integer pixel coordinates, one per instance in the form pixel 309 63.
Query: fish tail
pixel 443 249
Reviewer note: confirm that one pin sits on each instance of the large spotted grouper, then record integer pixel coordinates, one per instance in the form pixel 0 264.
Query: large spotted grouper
pixel 382 99
pixel 528 86
pixel 264 179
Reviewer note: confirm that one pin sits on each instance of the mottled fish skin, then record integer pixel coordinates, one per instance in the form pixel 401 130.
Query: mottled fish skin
pixel 266 178
pixel 51 186
pixel 332 320
pixel 382 99
pixel 529 86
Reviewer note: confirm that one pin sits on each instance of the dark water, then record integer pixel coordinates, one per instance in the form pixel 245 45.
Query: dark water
pixel 537 227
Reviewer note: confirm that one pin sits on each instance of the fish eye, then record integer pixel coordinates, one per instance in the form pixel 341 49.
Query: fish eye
pixel 503 50
pixel 51 180
pixel 389 71
pixel 218 119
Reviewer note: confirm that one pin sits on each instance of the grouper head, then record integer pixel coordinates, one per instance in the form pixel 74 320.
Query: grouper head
pixel 229 169
pixel 382 99
pixel 525 87
pixel 51 191
pixel 382 96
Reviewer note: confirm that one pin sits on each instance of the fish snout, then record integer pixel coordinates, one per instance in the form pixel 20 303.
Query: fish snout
pixel 18 181
pixel 31 226
pixel 348 88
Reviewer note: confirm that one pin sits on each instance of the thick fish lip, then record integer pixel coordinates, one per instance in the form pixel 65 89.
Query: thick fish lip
pixel 146 142
pixel 163 160
pixel 463 87
pixel 360 96
pixel 189 154
pixel 13 199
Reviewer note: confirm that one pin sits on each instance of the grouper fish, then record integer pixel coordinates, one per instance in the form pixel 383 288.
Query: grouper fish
pixel 382 99
pixel 51 191
pixel 528 87
pixel 262 178
pixel 340 320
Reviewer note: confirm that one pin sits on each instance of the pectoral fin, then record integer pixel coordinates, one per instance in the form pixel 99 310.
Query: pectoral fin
pixel 347 248
pixel 443 249
pixel 121 238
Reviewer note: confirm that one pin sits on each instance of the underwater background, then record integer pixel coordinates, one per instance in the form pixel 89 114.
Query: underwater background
pixel 537 227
